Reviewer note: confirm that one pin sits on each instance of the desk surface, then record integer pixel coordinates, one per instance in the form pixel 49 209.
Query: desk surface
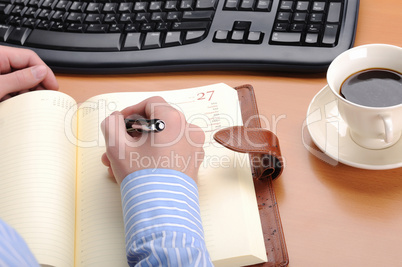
pixel 331 215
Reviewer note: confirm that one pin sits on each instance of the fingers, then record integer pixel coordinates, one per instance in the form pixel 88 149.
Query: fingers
pixel 23 79
pixel 114 129
pixel 105 160
pixel 14 59
pixel 146 107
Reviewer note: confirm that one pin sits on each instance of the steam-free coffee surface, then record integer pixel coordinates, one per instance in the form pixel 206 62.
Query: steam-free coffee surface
pixel 373 88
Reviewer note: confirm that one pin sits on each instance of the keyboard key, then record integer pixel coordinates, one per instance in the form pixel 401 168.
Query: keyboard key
pixel 127 17
pixel 246 5
pixel 141 6
pixel 186 5
pixel 174 16
pixel 116 28
pixel 221 36
pixel 58 26
pixel 319 6
pixel 231 4
pixel 163 26
pixel 98 28
pixel 133 41
pixel 152 40
pixel 132 27
pixel 31 12
pixel 18 10
pixel 330 33
pixel 126 7
pixel 314 28
pixel 281 27
pixel 76 17
pixel 296 27
pixel 284 16
pixel 94 18
pixel 311 38
pixel 317 17
pixel 148 27
pixel 286 37
pixel 49 4
pixel 31 23
pixel 77 6
pixel 237 36
pixel 73 27
pixel 34 3
pixel 286 6
pixel 194 36
pixel 45 14
pixel 5 31
pixel 302 5
pixel 74 41
pixel 63 5
pixel 5 8
pixel 45 25
pixel 94 7
pixel 255 37
pixel 59 15
pixel 241 25
pixel 334 12
pixel 142 17
pixel 198 15
pixel 173 38
pixel 171 5
pixel 19 35
pixel 156 6
pixel 300 16
pixel 190 25
pixel 112 18
pixel 206 4
pixel 264 5
pixel 159 16
pixel 110 8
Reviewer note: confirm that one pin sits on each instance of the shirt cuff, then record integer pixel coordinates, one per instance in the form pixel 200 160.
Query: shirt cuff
pixel 157 200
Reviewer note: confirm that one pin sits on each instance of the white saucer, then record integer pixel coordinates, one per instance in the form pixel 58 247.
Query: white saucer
pixel 330 133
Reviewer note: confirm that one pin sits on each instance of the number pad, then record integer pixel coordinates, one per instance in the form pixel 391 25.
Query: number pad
pixel 307 23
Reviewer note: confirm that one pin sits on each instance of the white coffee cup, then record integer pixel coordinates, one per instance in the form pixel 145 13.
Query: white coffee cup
pixel 369 127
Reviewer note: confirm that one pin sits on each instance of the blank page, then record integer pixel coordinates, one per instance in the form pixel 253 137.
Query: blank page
pixel 37 184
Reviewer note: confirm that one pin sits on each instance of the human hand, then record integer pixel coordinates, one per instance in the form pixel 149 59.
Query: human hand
pixel 21 71
pixel 177 147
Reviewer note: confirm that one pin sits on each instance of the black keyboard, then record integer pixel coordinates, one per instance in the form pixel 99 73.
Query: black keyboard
pixel 128 36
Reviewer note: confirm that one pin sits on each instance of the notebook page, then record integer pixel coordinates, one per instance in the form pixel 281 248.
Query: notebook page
pixel 37 174
pixel 227 194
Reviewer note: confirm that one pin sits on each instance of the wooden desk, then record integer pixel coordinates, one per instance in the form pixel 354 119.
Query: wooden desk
pixel 331 215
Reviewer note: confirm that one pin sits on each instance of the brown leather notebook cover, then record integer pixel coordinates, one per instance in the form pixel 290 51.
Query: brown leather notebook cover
pixel 266 161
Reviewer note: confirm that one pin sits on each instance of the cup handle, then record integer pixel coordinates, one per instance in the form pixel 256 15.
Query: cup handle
pixel 388 128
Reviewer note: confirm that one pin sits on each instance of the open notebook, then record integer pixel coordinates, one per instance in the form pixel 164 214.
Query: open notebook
pixel 57 194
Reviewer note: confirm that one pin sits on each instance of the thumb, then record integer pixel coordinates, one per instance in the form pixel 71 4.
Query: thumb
pixel 22 79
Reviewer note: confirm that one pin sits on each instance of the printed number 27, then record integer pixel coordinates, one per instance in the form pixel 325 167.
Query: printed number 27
pixel 202 96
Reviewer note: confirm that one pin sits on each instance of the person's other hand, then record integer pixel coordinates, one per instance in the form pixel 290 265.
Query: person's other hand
pixel 21 70
pixel 179 146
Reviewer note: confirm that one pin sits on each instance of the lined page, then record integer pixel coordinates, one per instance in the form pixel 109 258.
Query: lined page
pixel 227 198
pixel 37 170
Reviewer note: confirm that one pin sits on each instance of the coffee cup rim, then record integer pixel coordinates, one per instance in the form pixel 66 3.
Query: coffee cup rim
pixel 338 95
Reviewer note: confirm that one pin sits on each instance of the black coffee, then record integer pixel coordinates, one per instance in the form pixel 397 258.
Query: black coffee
pixel 373 88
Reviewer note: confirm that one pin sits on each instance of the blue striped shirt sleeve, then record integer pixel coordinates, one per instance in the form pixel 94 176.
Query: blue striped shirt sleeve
pixel 13 249
pixel 162 219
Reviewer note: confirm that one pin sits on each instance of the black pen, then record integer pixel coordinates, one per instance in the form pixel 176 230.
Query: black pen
pixel 140 125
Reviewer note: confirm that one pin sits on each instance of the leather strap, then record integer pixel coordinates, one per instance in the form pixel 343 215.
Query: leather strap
pixel 261 144
pixel 263 148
